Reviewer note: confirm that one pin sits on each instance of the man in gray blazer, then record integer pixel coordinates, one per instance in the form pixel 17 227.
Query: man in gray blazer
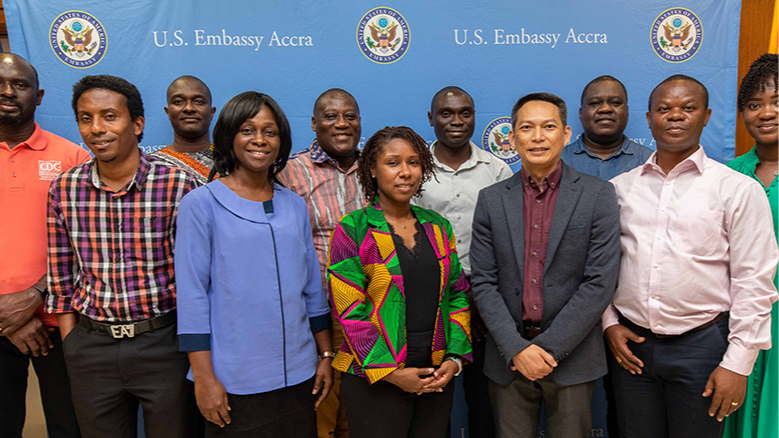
pixel 545 260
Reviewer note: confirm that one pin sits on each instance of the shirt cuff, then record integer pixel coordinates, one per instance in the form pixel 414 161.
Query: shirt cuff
pixel 321 322
pixel 197 342
pixel 58 304
pixel 740 360
pixel 610 317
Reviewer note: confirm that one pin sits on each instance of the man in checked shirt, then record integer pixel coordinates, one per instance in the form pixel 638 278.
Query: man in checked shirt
pixel 111 229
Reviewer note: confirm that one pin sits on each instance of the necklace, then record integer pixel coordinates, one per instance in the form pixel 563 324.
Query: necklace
pixel 776 172
pixel 396 223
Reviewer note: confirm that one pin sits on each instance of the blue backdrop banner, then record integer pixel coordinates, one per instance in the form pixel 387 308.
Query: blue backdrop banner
pixel 392 56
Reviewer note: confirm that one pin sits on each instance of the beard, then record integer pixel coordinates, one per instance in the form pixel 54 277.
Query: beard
pixel 12 120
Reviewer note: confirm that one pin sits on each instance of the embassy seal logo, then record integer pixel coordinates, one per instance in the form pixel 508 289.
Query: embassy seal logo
pixel 676 35
pixel 383 35
pixel 78 39
pixel 495 140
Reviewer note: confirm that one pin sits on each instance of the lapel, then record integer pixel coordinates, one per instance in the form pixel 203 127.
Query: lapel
pixel 512 199
pixel 564 207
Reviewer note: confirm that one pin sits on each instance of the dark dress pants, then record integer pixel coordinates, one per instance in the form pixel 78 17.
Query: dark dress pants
pixel 665 401
pixel 54 386
pixel 517 408
pixel 111 377
pixel 383 410
pixel 481 423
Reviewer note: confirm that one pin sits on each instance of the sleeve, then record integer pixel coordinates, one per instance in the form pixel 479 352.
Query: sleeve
pixel 458 341
pixel 366 348
pixel 504 171
pixel 601 271
pixel 484 283
pixel 753 260
pixel 192 264
pixel 189 184
pixel 316 301
pixel 63 266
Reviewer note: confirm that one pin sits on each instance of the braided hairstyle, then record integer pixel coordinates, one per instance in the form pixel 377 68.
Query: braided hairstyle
pixel 373 148
pixel 760 73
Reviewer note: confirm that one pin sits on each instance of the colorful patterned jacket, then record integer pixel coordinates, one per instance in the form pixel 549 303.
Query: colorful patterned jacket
pixel 367 297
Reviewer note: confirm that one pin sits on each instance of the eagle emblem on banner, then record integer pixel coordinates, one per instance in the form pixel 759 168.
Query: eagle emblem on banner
pixel 495 140
pixel 677 34
pixel 383 35
pixel 78 39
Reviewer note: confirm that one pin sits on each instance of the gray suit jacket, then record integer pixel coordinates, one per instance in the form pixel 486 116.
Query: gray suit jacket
pixel 580 275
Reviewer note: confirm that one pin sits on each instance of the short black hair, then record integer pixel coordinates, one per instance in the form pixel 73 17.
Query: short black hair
pixel 544 97
pixel 761 73
pixel 132 96
pixel 338 92
pixel 681 78
pixel 234 113
pixel 372 149
pixel 189 78
pixel 604 78
pixel 449 89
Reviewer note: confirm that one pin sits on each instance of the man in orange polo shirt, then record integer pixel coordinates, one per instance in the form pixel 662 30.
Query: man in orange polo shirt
pixel 30 158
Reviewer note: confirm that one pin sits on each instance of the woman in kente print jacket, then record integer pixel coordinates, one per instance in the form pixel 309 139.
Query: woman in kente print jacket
pixel 397 288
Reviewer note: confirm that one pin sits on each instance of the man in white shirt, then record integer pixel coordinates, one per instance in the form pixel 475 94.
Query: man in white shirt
pixel 462 169
pixel 692 306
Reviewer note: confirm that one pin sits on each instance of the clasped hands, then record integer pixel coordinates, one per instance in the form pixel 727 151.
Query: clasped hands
pixel 410 379
pixel 533 362
pixel 19 325
pixel 728 388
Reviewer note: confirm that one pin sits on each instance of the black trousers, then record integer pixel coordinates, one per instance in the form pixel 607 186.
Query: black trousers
pixel 111 377
pixel 54 386
pixel 481 423
pixel 286 412
pixel 665 400
pixel 383 410
pixel 612 427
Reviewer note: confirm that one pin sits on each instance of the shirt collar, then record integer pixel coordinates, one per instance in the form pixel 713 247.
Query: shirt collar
pixel 552 180
pixel 695 161
pixel 144 165
pixel 37 141
pixel 319 156
pixel 627 147
pixel 477 156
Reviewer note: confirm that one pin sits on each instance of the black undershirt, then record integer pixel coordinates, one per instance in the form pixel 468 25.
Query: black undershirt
pixel 421 282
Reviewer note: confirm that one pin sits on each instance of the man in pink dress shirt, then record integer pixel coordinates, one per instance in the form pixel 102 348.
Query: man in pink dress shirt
pixel 692 306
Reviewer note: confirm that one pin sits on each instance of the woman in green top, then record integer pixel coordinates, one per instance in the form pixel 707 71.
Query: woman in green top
pixel 758 417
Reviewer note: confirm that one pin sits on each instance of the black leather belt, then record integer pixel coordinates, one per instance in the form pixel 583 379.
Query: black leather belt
pixel 626 322
pixel 119 331
pixel 530 331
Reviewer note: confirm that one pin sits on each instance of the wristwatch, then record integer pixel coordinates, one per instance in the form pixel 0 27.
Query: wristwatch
pixel 326 354
pixel 459 363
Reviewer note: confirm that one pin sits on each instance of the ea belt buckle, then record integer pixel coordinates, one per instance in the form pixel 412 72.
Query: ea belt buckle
pixel 120 331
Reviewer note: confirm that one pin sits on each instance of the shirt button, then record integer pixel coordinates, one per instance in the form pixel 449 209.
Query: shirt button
pixel 13 160
pixel 534 281
pixel 552 184
pixel 654 297
pixel 662 208
pixel 655 266
pixel 14 175
pixel 459 240
pixel 535 253
pixel 668 183
pixel 657 324
pixel 538 200
pixel 535 307
pixel 458 195
pixel 534 226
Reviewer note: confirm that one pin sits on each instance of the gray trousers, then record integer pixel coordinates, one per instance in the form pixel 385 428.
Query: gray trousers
pixel 110 377
pixel 517 408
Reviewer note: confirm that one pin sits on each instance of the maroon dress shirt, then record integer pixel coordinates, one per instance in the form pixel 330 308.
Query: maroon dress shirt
pixel 538 209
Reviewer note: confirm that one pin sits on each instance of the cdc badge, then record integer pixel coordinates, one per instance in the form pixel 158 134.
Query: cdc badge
pixel 383 35
pixel 78 39
pixel 495 140
pixel 676 35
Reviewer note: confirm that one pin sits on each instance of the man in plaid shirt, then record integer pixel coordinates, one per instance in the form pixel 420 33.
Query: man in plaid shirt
pixel 111 229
